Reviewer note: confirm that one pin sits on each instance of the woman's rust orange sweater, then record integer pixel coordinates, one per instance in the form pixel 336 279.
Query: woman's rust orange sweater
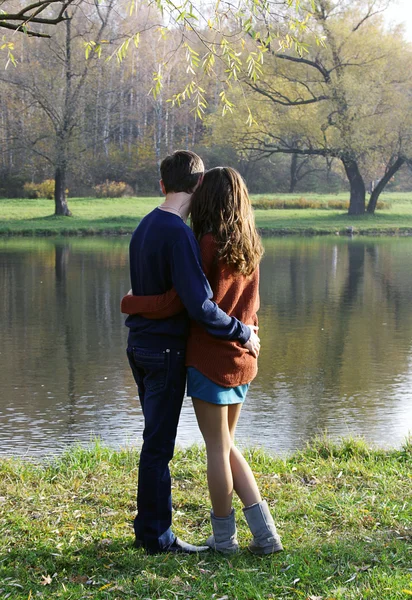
pixel 227 363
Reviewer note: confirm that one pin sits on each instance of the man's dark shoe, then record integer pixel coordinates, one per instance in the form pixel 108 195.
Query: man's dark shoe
pixel 177 547
pixel 137 543
pixel 183 547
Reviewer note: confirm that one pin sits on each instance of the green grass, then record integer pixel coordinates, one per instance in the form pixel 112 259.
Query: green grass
pixel 121 215
pixel 90 216
pixel 344 512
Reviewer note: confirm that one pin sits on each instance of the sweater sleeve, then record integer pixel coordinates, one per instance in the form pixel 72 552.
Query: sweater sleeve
pixel 159 306
pixel 195 292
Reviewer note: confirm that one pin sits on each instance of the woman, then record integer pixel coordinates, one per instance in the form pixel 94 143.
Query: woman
pixel 219 372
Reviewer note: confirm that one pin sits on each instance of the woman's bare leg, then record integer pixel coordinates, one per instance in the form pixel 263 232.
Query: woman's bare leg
pixel 213 423
pixel 244 481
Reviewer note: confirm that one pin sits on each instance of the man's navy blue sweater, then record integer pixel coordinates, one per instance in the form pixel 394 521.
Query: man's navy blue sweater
pixel 164 254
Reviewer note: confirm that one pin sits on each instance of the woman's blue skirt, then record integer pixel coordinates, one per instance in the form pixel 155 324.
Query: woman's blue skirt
pixel 199 386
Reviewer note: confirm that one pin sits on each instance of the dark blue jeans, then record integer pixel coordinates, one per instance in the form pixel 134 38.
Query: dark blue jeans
pixel 160 376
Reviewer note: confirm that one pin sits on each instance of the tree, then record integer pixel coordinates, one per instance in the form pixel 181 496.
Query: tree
pixel 339 99
pixel 56 91
pixel 398 147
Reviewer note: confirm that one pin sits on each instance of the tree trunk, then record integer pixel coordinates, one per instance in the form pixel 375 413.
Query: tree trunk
pixel 121 107
pixel 373 200
pixel 293 173
pixel 60 201
pixel 357 187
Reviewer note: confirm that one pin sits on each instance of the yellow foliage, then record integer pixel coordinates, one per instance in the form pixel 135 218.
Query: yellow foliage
pixel 45 189
pixel 113 189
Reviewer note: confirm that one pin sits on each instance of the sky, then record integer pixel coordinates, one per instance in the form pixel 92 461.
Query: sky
pixel 401 12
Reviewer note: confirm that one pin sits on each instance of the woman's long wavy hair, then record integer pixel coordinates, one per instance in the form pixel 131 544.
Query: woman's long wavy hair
pixel 221 206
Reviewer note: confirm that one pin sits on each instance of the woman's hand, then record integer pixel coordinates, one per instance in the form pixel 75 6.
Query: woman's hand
pixel 253 343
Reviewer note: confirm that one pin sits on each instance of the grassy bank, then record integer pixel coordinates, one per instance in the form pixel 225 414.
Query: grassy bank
pixel 344 512
pixel 121 215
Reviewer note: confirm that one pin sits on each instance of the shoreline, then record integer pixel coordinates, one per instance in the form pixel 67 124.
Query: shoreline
pixel 263 232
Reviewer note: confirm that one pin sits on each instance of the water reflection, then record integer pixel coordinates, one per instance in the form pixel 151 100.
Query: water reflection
pixel 335 323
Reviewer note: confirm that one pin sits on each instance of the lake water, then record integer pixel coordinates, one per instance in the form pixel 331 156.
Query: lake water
pixel 335 325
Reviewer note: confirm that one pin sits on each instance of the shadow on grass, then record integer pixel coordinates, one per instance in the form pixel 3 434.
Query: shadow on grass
pixel 76 219
pixel 58 225
pixel 318 223
pixel 316 568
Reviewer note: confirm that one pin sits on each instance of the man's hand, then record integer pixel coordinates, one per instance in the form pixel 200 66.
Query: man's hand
pixel 253 343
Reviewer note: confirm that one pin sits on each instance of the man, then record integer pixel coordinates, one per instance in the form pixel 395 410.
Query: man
pixel 164 254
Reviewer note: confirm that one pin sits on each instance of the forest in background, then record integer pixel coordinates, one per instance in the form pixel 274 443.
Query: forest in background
pixel 337 113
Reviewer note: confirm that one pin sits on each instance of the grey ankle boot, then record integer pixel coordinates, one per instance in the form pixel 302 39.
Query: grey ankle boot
pixel 224 534
pixel 265 537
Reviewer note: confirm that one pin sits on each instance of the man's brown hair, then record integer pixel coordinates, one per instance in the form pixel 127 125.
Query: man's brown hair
pixel 181 171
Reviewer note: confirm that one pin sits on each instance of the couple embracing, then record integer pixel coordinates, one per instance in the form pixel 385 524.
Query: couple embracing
pixel 192 316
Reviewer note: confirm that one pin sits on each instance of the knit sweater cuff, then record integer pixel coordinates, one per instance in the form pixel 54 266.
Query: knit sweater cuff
pixel 245 333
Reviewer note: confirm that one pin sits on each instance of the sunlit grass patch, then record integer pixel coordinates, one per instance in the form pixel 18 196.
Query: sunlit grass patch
pixel 303 203
pixel 343 509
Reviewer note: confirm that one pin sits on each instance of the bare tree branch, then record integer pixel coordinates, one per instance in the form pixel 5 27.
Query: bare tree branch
pixel 284 100
pixel 369 14
pixel 29 14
